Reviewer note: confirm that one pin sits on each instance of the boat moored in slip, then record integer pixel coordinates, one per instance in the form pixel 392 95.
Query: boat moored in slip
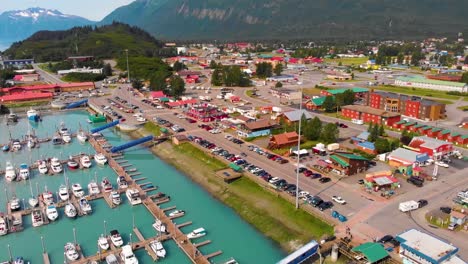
pixel 100 159
pixel 33 201
pixel 106 185
pixel 72 164
pixel 77 190
pixel 15 203
pixel 103 243
pixel 63 193
pixel 33 115
pixel 176 213
pixel 116 239
pixel 10 172
pixel 122 182
pixel 133 196
pixel 51 212
pixel 24 171
pixel 115 197
pixel 55 165
pixel 85 206
pixel 199 232
pixel 37 218
pixel 81 136
pixel 66 137
pixel 48 197
pixel 3 226
pixel 70 210
pixel 12 118
pixel 158 248
pixel 57 139
pixel 16 145
pixel 6 148
pixel 93 188
pixel 70 252
pixel 159 226
pixel 85 161
pixel 18 260
pixel 42 167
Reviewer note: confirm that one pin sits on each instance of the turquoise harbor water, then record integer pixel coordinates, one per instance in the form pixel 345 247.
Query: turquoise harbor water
pixel 227 231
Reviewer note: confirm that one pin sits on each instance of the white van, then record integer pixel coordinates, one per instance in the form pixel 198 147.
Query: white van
pixel 357 121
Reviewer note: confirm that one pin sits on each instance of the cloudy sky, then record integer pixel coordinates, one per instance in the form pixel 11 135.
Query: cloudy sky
pixel 90 9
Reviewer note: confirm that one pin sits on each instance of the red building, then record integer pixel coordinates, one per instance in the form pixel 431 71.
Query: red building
pixel 51 88
pixel 431 146
pixel 412 108
pixel 446 77
pixel 369 114
pixel 443 135
pixel 206 113
pixel 26 97
pixel 462 140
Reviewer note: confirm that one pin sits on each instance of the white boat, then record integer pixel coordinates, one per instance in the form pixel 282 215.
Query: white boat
pixel 116 238
pixel 42 167
pixel 77 190
pixel 122 182
pixel 63 193
pixel 55 165
pixel 199 232
pixel 177 213
pixel 115 197
pixel 127 256
pixel 48 197
pixel 103 243
pixel 52 212
pixel 85 161
pixel 3 226
pixel 133 196
pixel 10 173
pixel 81 136
pixel 18 260
pixel 33 202
pixel 15 203
pixel 37 218
pixel 85 206
pixel 16 145
pixel 159 226
pixel 93 188
pixel 66 137
pixel 70 252
pixel 12 118
pixel 158 248
pixel 106 185
pixel 31 143
pixel 72 164
pixel 63 129
pixel 33 115
pixel 24 171
pixel 100 158
pixel 70 210
pixel 57 140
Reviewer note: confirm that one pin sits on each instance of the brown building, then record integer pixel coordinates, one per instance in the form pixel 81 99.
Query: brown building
pixel 348 163
pixel 284 140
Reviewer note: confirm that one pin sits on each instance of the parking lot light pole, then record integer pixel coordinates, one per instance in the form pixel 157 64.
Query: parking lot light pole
pixel 298 152
pixel 128 69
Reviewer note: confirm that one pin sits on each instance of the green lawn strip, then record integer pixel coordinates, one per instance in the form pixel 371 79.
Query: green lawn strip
pixel 463 108
pixel 311 91
pixel 193 151
pixel 152 128
pixel 416 91
pixel 348 61
pixel 27 104
pixel 249 93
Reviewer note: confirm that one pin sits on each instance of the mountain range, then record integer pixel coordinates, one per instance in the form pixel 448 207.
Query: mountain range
pixel 300 19
pixel 19 24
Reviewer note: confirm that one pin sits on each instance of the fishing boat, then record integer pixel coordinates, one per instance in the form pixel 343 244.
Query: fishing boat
pixel 81 136
pixel 16 146
pixel 106 185
pixel 63 129
pixel 85 206
pixel 10 173
pixel 158 248
pixel 159 226
pixel 37 218
pixel 93 188
pixel 66 137
pixel 100 158
pixel 5 148
pixel 123 184
pixel 70 210
pixel 31 143
pixel 15 203
pixel 52 212
pixel 12 118
pixel 103 243
pixel 85 161
pixel 33 201
pixel 133 196
pixel 24 171
pixel 48 197
pixel 63 193
pixel 77 190
pixel 177 213
pixel 18 260
pixel 3 226
pixel 199 232
pixel 33 115
pixel 42 167
pixel 127 256
pixel 57 140
pixel 115 197
pixel 70 252
pixel 231 261
pixel 55 165
pixel 116 239
pixel 72 164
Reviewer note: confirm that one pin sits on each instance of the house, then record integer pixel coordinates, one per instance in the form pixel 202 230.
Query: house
pixel 294 116
pixel 404 159
pixel 462 140
pixel 257 128
pixel 367 147
pixel 431 146
pixel 459 218
pixel 284 140
pixel 348 163
pixel 373 252
pixel 369 114
pixel 157 95
pixel 417 247
pixel 443 134
pixel 315 103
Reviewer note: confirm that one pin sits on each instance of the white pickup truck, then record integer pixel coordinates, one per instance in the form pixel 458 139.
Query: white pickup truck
pixel 408 206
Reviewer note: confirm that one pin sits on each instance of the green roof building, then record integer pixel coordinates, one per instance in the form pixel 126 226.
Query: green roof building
pixel 373 252
pixel 422 82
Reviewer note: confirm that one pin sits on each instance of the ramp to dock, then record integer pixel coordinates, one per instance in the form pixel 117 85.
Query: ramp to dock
pixel 76 104
pixel 131 143
pixel 106 126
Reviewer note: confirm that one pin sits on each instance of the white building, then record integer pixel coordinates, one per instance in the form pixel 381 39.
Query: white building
pixel 80 70
pixel 421 82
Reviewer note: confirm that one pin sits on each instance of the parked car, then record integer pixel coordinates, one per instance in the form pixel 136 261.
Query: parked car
pixel 338 199
pixel 315 201
pixel 446 209
pixel 325 205
pixel 324 180
pixel 452 226
pixel 422 203
pixel 385 239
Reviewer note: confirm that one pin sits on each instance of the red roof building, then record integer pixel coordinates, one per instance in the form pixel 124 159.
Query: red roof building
pixel 369 114
pixel 52 88
pixel 26 96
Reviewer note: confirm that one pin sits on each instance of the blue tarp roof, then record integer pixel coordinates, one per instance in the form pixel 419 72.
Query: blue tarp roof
pixel 367 145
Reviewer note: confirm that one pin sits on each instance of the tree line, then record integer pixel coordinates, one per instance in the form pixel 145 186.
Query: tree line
pixel 229 76
pixel 334 103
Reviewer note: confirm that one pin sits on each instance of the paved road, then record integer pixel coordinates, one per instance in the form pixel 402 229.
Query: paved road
pixel 46 76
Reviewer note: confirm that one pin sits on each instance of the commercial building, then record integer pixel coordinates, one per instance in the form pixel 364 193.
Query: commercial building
pixel 417 247
pixel 282 78
pixel 404 159
pixel 16 63
pixel 206 113
pixel 348 163
pixel 369 114
pixel 421 82
pixel 411 106
pixel 431 146
pixel 51 88
pixel 358 92
pixel 80 70
pixel 287 94
pixel 445 77
pixel 26 97
pixel 294 116
pixel 284 140
pixel 255 128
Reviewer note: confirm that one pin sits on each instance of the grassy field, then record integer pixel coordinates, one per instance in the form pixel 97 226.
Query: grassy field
pixel 249 93
pixel 417 92
pixel 152 128
pixel 270 214
pixel 311 91
pixel 27 104
pixel 348 61
pixel 463 108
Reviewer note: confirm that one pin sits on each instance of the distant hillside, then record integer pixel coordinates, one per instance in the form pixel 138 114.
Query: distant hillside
pixel 304 19
pixel 19 24
pixel 108 41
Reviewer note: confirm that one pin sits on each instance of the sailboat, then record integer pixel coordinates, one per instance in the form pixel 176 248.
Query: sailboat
pixel 33 201
pixel 70 210
pixel 81 136
pixel 63 193
pixel 14 203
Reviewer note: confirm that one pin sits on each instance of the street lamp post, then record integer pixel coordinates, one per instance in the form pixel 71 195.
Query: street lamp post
pixel 128 68
pixel 298 151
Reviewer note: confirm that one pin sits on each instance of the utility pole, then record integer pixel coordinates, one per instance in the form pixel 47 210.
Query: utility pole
pixel 128 68
pixel 298 151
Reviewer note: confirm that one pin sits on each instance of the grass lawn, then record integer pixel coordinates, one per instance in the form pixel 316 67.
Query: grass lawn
pixel 249 93
pixel 45 67
pixel 348 61
pixel 193 151
pixel 311 91
pixel 27 104
pixel 152 128
pixel 417 91
pixel 463 108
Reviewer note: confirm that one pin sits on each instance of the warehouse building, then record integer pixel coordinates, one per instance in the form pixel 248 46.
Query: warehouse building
pixel 421 82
